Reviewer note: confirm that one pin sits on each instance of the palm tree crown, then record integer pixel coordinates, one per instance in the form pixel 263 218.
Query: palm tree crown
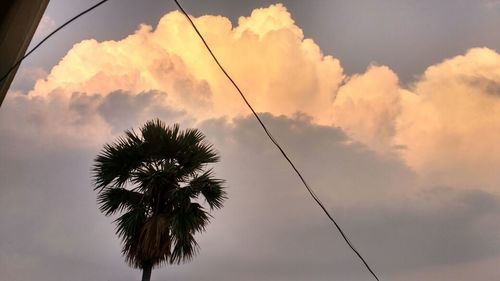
pixel 154 180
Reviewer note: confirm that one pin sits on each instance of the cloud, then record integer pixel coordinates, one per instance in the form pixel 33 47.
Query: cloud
pixel 411 168
pixel 441 126
pixel 171 59
pixel 83 120
pixel 448 126
pixel 491 4
pixel 367 106
pixel 26 77
pixel 269 227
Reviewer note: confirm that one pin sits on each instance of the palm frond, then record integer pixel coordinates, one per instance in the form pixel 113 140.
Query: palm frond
pixel 114 163
pixel 112 200
pixel 194 152
pixel 163 170
pixel 187 220
pixel 211 188
pixel 128 225
pixel 160 140
pixel 184 250
pixel 148 176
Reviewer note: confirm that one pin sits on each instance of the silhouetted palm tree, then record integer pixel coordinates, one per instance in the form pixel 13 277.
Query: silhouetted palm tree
pixel 154 180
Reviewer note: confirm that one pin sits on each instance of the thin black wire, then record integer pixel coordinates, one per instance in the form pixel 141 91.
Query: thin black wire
pixel 48 36
pixel 268 133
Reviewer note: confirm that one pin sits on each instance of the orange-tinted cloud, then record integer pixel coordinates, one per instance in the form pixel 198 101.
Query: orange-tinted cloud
pixel 450 126
pixel 172 59
pixel 444 126
pixel 367 106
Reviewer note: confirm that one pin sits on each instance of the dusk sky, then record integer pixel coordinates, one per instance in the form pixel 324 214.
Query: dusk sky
pixel 391 108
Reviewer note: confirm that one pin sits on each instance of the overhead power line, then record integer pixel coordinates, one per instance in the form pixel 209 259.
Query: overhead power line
pixel 278 146
pixel 18 62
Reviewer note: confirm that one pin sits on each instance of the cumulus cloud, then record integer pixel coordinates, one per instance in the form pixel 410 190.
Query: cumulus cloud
pixel 171 59
pixel 367 106
pixel 449 127
pixel 374 149
pixel 442 126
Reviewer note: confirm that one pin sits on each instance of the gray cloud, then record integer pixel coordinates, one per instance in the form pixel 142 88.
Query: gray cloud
pixel 490 86
pixel 121 109
pixel 269 229
pixel 491 3
pixel 26 77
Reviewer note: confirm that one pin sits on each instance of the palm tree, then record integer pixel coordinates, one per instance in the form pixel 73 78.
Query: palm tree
pixel 154 180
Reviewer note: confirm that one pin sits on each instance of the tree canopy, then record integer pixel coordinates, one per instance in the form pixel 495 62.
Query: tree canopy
pixel 156 180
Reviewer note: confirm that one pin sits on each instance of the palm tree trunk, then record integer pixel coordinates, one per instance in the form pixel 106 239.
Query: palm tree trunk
pixel 146 272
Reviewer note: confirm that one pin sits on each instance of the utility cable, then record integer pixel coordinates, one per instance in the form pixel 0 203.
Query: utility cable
pixel 18 62
pixel 264 127
pixel 278 146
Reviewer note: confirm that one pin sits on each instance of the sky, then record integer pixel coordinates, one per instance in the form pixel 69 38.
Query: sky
pixel 389 108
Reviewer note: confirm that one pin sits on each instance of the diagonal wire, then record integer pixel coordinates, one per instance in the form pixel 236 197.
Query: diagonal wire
pixel 18 62
pixel 278 146
pixel 268 133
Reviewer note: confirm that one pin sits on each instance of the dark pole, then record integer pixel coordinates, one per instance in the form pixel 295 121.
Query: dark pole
pixel 146 272
pixel 18 22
